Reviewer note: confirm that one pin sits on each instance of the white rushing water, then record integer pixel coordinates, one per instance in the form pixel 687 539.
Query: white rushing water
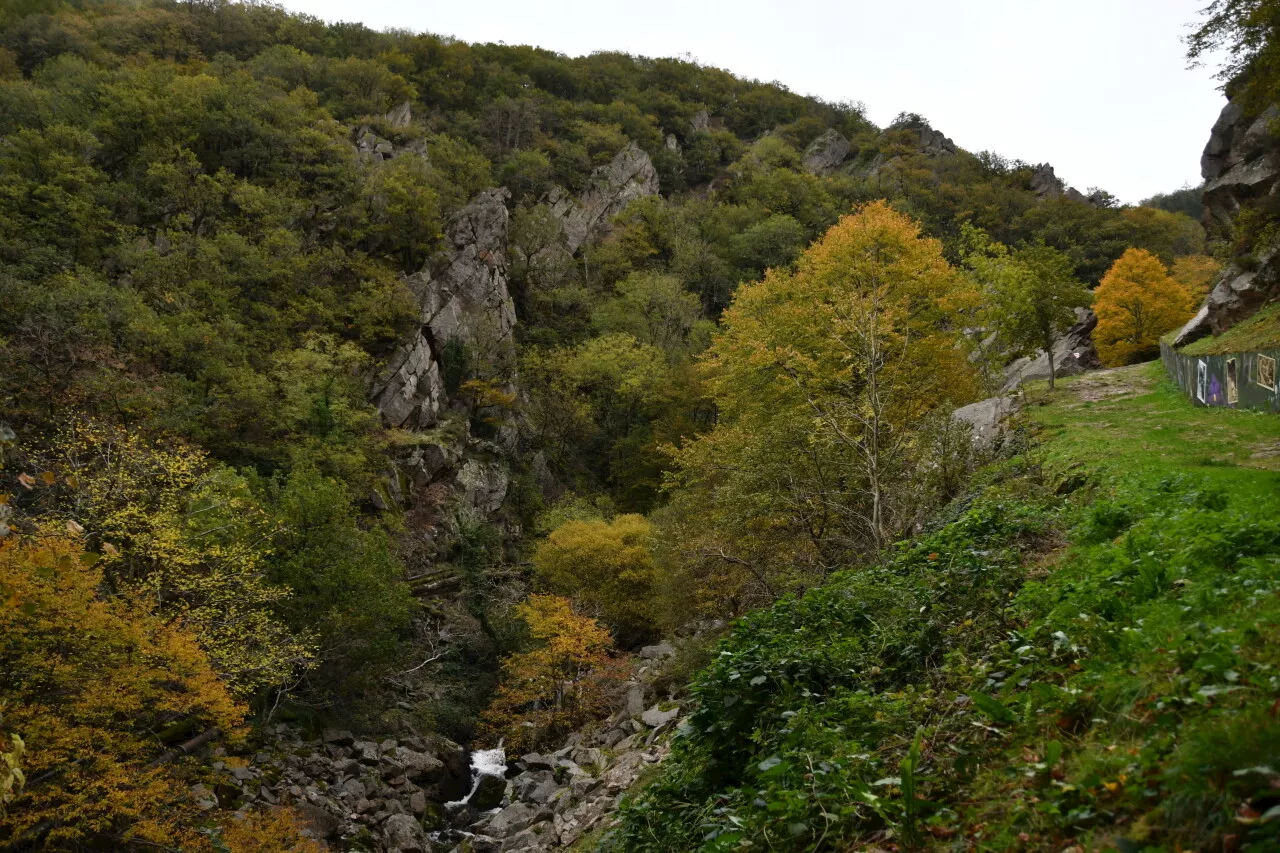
pixel 484 762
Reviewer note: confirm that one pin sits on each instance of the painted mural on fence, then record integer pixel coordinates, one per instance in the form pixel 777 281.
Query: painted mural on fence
pixel 1240 380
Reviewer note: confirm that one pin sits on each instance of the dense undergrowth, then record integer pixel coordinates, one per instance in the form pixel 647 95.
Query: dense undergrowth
pixel 1079 653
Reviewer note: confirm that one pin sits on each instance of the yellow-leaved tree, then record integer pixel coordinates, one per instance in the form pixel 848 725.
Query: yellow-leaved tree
pixel 93 685
pixel 565 680
pixel 187 533
pixel 605 565
pixel 832 383
pixel 1137 301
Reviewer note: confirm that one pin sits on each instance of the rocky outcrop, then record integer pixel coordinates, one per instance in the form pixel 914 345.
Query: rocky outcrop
pixel 463 298
pixel 629 176
pixel 1047 185
pixel 1073 353
pixel 401 116
pixel 826 152
pixel 987 418
pixel 1240 166
pixel 373 148
pixel 934 143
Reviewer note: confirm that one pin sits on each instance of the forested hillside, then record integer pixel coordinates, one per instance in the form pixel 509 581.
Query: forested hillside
pixel 379 382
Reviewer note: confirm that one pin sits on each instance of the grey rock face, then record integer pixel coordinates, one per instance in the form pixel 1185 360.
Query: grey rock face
pixel 1073 353
pixel 484 485
pixel 826 152
pixel 635 699
pixel 465 301
pixel 1240 164
pixel 934 143
pixel 1045 184
pixel 987 417
pixel 701 121
pixel 400 116
pixel 629 176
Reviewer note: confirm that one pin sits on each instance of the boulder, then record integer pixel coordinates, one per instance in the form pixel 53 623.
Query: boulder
pixel 635 699
pixel 488 792
pixel 513 819
pixel 544 792
pixel 987 417
pixel 317 820
pixel 657 652
pixel 536 761
pixel 826 152
pixel 417 766
pixel 402 834
pixel 656 718
pixel 338 737
pixel 1074 353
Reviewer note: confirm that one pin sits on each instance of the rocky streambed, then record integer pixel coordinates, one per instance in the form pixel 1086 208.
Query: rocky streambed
pixel 429 795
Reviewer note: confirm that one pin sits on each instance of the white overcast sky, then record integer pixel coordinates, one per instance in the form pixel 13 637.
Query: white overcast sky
pixel 1098 88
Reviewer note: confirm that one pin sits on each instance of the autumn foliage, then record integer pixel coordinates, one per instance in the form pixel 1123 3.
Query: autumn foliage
pixel 607 565
pixel 563 682
pixel 93 685
pixel 1137 302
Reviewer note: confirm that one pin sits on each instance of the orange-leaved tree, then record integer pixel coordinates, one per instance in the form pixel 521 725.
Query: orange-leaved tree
pixel 1137 302
pixel 567 678
pixel 1196 273
pixel 96 686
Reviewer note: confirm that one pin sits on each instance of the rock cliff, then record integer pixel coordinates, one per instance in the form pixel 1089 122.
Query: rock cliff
pixel 629 176
pixel 1241 169
pixel 465 307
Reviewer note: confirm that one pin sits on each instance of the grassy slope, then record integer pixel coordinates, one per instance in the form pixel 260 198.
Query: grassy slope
pixel 1261 331
pixel 1089 650
pixel 1131 425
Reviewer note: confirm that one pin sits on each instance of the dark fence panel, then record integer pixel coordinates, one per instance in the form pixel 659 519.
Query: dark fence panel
pixel 1244 380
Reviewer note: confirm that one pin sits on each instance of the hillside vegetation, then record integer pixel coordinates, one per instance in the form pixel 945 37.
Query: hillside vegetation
pixel 384 382
pixel 1080 653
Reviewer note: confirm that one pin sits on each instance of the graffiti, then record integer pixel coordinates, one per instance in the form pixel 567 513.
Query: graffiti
pixel 1239 380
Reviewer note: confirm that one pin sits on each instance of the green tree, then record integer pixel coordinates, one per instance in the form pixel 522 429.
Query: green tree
pixel 1029 296
pixel 656 310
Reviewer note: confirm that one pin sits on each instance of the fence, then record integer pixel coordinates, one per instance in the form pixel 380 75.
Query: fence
pixel 1238 381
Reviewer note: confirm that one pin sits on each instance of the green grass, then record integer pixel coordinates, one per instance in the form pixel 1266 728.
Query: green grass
pixel 1132 423
pixel 1082 653
pixel 1261 331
